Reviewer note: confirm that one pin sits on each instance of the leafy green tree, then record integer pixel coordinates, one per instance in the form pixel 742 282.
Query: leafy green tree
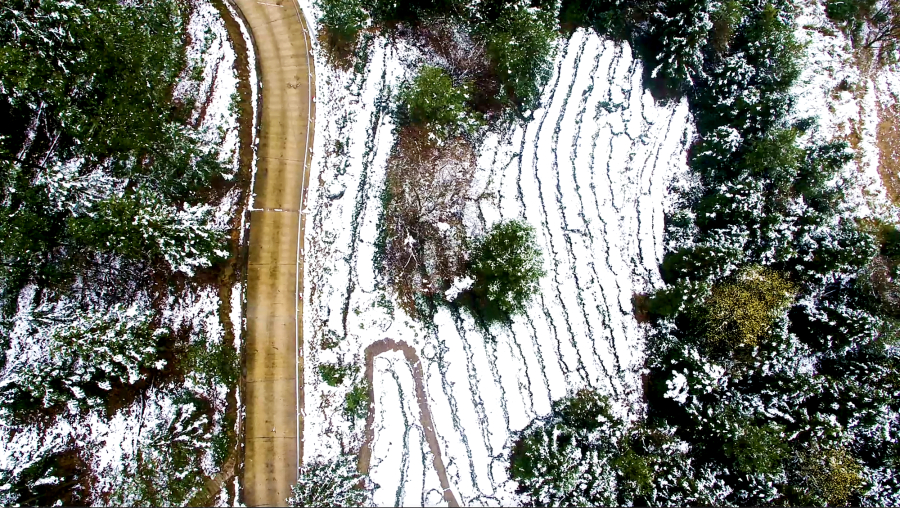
pixel 506 266
pixel 142 226
pixel 342 21
pixel 681 30
pixel 168 467
pixel 90 352
pixel 521 45
pixel 757 449
pixel 333 482
pixel 567 458
pixel 87 89
pixel 432 101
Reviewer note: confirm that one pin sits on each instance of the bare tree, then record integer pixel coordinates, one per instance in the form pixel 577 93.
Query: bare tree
pixel 428 185
pixel 883 28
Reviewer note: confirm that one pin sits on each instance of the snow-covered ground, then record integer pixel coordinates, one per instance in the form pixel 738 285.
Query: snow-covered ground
pixel 590 172
pixel 113 445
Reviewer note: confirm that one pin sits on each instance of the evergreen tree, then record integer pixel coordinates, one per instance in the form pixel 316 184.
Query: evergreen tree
pixel 506 267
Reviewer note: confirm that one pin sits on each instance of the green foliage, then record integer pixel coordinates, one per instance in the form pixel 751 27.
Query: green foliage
pixel 143 227
pixel 86 88
pixel 506 266
pixel 215 362
pixel 520 45
pixel 342 21
pixel 329 483
pixel 565 460
pixel 802 357
pixel 581 455
pixel 433 102
pixel 343 18
pixel 168 470
pixel 758 449
pixel 89 353
pixel 679 32
pixel 356 403
pixel 843 11
pixel 333 374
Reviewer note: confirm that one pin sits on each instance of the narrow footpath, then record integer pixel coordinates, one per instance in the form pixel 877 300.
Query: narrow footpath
pixel 272 383
pixel 365 452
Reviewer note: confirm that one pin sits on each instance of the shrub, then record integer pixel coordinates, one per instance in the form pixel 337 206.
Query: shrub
pixel 432 101
pixel 329 483
pixel 506 267
pixel 356 403
pixel 333 374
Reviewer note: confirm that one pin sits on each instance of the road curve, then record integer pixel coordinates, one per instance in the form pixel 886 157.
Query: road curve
pixel 273 360
pixel 365 452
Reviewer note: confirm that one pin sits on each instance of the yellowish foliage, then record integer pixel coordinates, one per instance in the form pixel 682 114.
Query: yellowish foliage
pixel 742 311
pixel 833 473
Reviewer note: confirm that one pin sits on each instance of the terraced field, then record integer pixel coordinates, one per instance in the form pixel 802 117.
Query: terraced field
pixel 590 171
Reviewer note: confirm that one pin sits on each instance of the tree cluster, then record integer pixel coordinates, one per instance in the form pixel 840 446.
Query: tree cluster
pixel 510 43
pixel 104 215
pixel 424 241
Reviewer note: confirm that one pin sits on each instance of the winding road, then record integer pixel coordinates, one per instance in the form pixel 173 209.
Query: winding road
pixel 273 420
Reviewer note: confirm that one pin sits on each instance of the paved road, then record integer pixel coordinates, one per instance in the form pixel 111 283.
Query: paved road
pixel 272 391
pixel 365 453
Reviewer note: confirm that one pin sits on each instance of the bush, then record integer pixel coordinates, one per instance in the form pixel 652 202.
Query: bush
pixel 329 483
pixel 433 102
pixel 506 266
pixel 356 403
pixel 520 45
pixel 334 375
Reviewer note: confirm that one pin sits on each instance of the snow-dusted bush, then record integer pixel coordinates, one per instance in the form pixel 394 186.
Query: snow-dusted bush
pixel 433 102
pixel 506 266
pixel 62 354
pixel 333 482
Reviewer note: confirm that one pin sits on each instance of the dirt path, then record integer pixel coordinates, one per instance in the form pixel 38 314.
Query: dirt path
pixel 365 453
pixel 273 364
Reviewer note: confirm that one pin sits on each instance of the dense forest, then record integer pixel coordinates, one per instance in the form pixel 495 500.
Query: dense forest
pixel 109 224
pixel 772 362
